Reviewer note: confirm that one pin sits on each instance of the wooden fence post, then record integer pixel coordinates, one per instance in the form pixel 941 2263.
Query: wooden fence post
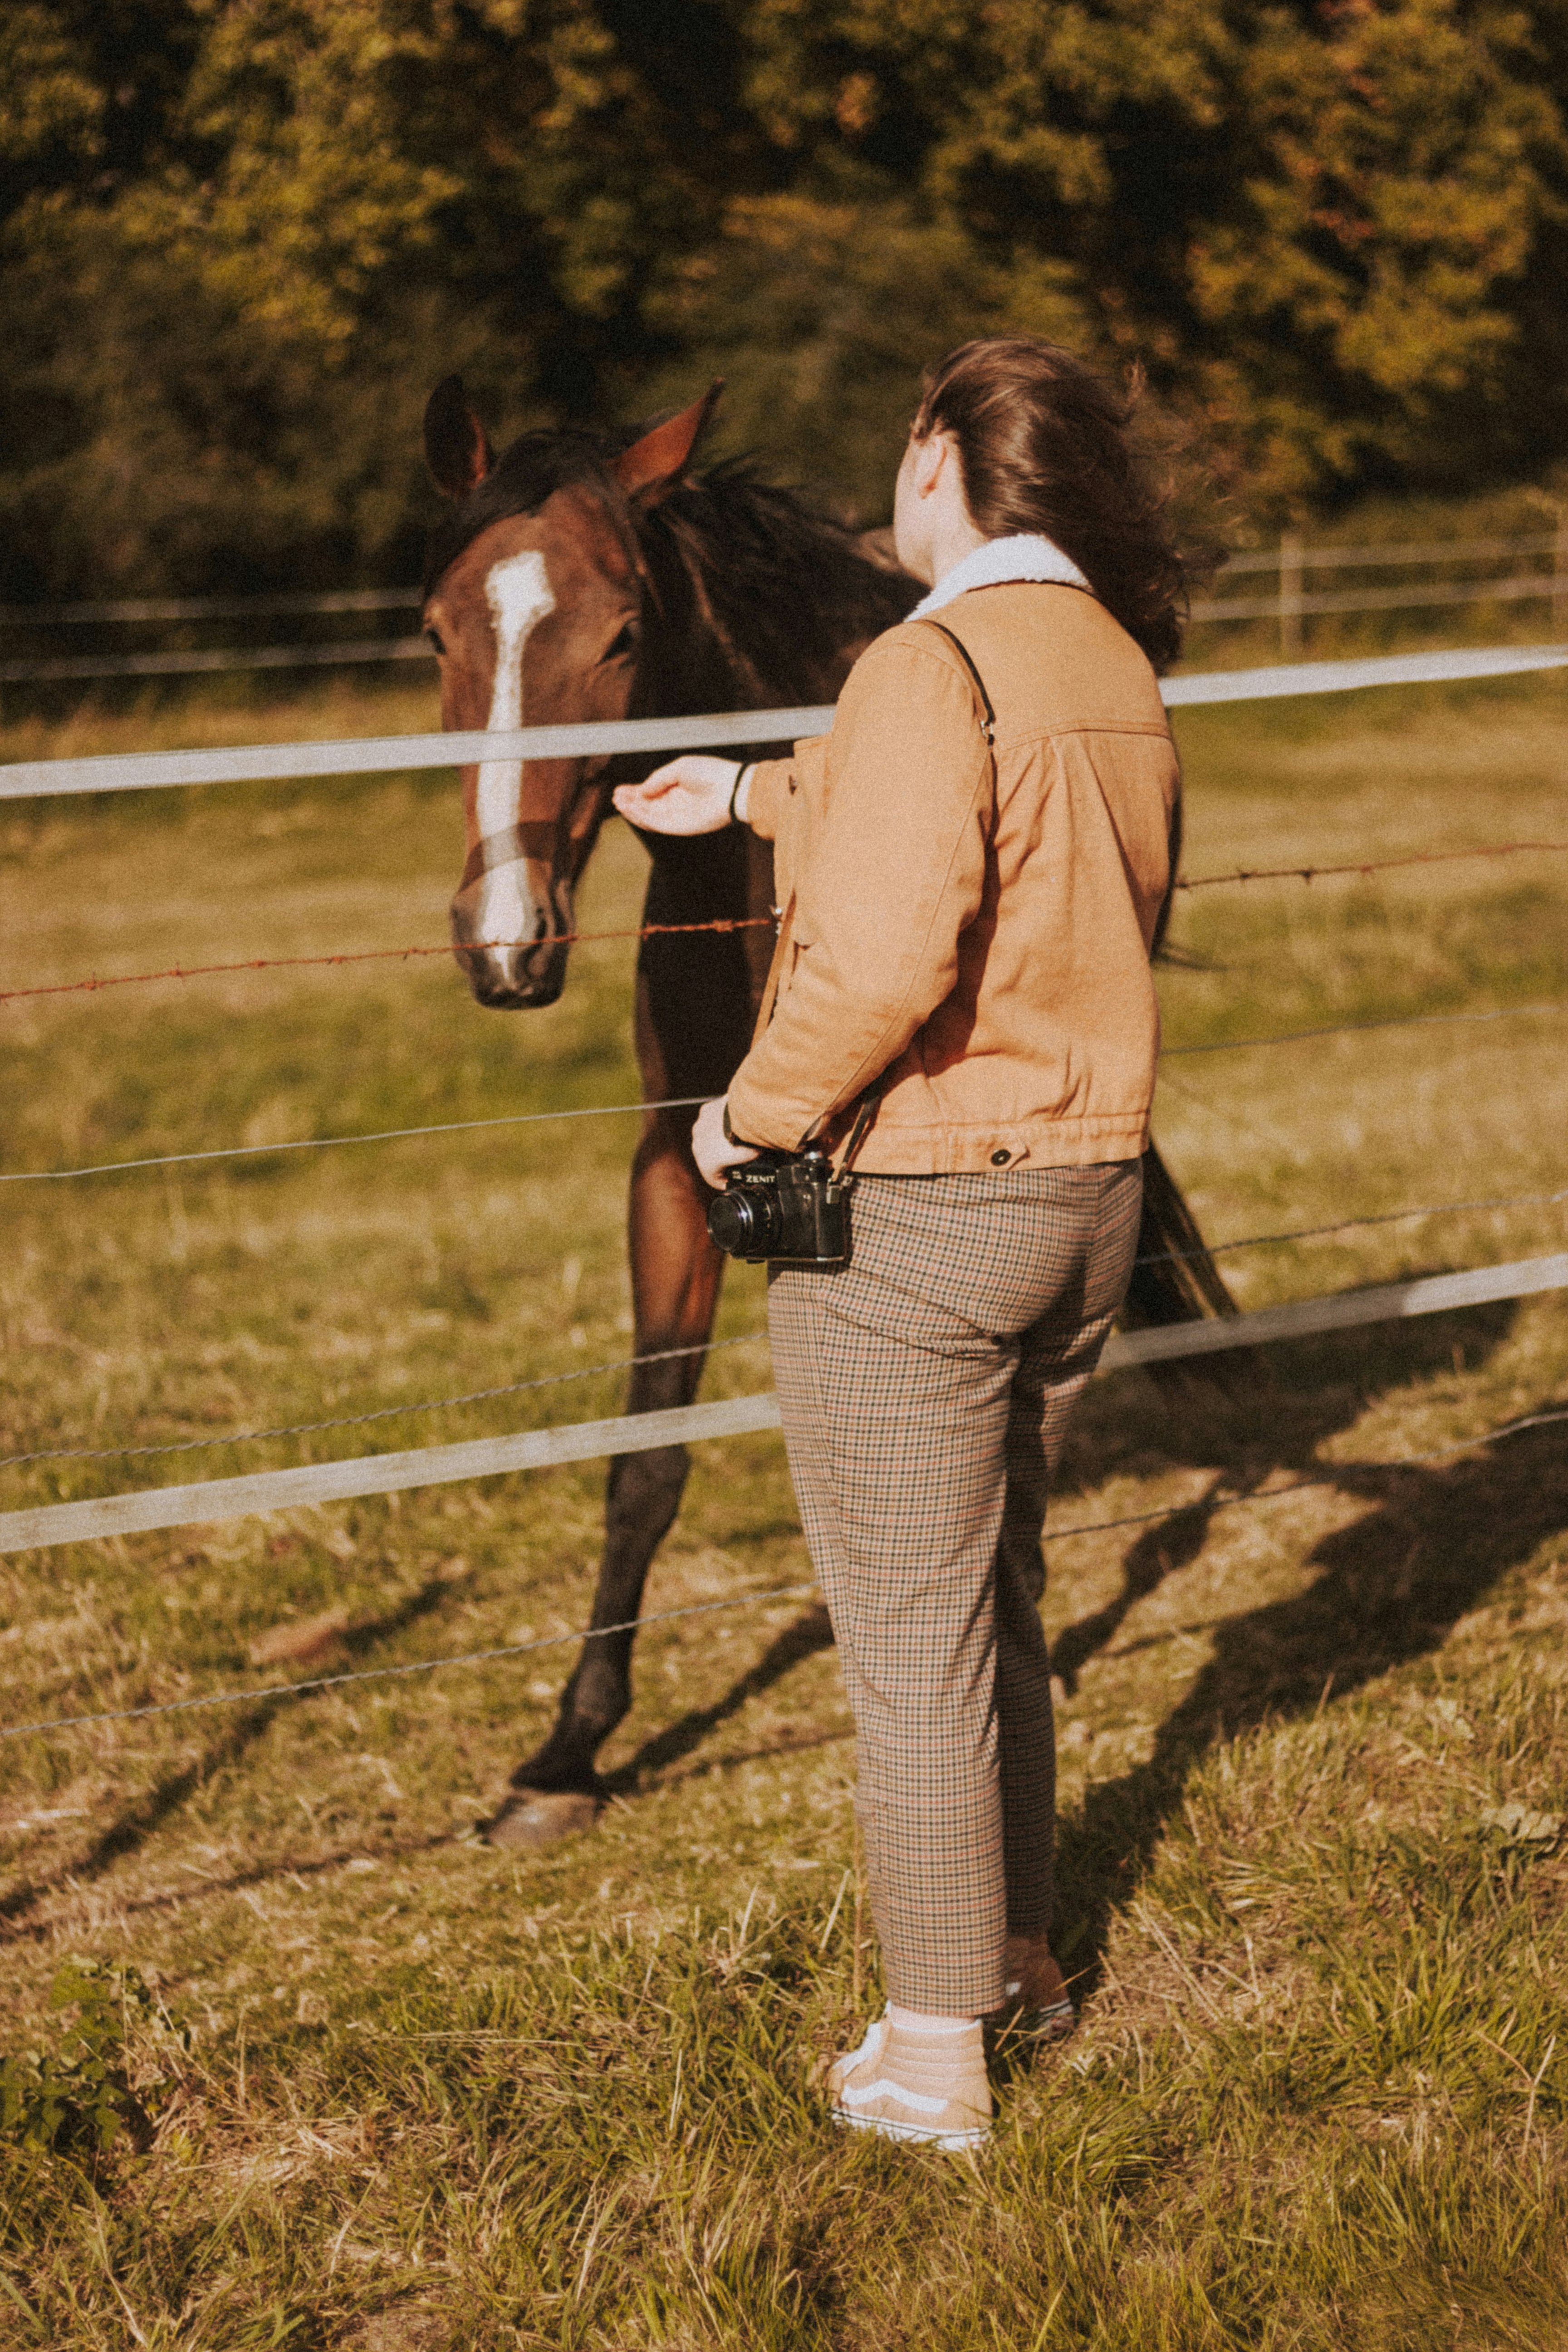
pixel 1291 574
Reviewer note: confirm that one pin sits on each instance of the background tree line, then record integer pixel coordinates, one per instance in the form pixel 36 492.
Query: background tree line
pixel 241 238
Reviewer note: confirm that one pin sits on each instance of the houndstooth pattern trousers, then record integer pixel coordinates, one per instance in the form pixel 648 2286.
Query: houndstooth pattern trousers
pixel 925 1389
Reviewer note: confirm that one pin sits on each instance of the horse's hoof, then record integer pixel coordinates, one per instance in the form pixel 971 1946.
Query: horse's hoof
pixel 536 1817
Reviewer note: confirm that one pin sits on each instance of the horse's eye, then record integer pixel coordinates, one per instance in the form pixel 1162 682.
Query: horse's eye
pixel 434 635
pixel 626 643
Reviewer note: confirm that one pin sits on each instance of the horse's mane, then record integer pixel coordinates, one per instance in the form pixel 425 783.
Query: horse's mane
pixel 788 585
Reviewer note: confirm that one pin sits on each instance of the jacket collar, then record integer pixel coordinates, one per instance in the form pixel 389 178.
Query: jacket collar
pixel 1022 556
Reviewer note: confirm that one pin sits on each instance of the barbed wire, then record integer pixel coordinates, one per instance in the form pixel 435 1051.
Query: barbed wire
pixel 1356 1028
pixel 1351 1224
pixel 376 955
pixel 688 1102
pixel 723 923
pixel 1367 865
pixel 382 1413
pixel 326 1142
pixel 266 1693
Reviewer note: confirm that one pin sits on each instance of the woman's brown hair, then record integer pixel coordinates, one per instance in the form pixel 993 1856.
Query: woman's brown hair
pixel 1044 444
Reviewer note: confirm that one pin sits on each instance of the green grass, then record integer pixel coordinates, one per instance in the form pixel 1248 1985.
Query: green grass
pixel 408 2095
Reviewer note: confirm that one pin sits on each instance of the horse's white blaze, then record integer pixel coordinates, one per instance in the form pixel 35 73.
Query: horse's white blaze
pixel 519 595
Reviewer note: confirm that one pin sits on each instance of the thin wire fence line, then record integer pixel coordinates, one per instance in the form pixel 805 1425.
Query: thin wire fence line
pixel 215 608
pixel 724 923
pixel 387 754
pixel 1407 597
pixel 382 1413
pixel 747 1339
pixel 1353 1225
pixel 265 1692
pixel 1326 557
pixel 412 598
pixel 1357 1028
pixel 685 1102
pixel 216 662
pixel 376 955
pixel 326 1142
pixel 1307 1486
pixel 268 1693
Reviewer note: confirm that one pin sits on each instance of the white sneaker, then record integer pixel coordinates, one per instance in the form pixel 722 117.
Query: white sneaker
pixel 930 2087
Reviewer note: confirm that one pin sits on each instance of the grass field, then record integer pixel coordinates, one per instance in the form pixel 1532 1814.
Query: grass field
pixel 404 2093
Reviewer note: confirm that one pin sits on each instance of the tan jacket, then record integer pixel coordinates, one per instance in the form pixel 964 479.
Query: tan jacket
pixel 981 923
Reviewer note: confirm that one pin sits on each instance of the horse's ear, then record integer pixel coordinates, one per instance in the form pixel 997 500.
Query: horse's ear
pixel 457 446
pixel 656 462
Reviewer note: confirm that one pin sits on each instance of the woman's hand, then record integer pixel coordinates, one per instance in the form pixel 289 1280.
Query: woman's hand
pixel 712 1147
pixel 691 794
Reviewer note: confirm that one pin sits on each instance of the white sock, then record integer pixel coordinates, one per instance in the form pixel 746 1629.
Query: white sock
pixel 915 2021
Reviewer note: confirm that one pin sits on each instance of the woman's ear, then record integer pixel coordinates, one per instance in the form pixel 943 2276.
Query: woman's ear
pixel 931 456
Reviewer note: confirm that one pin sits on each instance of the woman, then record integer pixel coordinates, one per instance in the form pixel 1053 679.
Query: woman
pixel 970 870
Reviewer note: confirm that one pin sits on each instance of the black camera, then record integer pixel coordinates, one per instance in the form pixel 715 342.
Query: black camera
pixel 783 1205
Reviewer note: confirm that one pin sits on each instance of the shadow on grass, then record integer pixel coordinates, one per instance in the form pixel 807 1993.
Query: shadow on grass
pixel 810 1633
pixel 1314 1390
pixel 1435 1541
pixel 1391 1588
pixel 147 1814
pixel 710 1766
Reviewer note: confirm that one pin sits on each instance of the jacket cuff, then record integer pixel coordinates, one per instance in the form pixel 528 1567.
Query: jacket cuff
pixel 762 1120
pixel 766 796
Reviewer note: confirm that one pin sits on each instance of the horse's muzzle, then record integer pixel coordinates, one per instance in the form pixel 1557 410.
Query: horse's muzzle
pixel 509 975
pixel 507 980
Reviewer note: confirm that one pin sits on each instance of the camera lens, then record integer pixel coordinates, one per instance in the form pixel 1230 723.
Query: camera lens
pixel 746 1224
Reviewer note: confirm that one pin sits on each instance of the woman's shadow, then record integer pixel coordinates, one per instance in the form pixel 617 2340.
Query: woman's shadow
pixel 1433 1540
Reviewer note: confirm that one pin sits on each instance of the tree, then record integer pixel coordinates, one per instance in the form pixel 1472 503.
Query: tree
pixel 241 237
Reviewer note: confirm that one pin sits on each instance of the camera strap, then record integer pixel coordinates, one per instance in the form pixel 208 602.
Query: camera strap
pixel 869 1103
pixel 987 716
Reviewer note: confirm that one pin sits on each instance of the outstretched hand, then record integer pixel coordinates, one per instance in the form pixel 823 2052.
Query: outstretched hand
pixel 688 796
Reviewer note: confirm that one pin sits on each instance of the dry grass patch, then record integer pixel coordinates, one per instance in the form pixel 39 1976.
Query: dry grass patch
pixel 1312 1734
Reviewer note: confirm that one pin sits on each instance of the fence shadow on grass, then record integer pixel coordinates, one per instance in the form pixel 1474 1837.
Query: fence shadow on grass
pixel 144 1814
pixel 1390 1588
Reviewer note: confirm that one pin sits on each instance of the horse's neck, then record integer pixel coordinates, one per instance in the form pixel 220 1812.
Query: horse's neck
pixel 688 664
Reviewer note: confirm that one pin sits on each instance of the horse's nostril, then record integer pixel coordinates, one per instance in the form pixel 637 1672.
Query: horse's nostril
pixel 512 979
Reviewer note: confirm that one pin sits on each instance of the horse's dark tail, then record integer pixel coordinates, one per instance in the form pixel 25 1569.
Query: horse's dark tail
pixel 1175 1280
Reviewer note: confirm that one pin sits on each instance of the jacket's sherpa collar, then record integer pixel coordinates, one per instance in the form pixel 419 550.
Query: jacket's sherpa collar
pixel 1022 556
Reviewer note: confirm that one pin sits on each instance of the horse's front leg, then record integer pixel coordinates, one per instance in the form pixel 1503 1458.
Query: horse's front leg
pixel 675 1276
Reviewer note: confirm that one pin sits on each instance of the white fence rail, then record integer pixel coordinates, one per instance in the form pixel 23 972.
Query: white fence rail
pixel 380 754
pixel 539 1449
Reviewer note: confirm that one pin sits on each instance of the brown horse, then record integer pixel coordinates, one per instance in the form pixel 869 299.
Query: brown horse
pixel 589 577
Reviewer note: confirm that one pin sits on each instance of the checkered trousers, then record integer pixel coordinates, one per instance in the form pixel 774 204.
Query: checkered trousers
pixel 925 1390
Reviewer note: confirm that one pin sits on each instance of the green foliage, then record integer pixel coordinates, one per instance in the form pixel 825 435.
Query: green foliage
pixel 77 2099
pixel 240 237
